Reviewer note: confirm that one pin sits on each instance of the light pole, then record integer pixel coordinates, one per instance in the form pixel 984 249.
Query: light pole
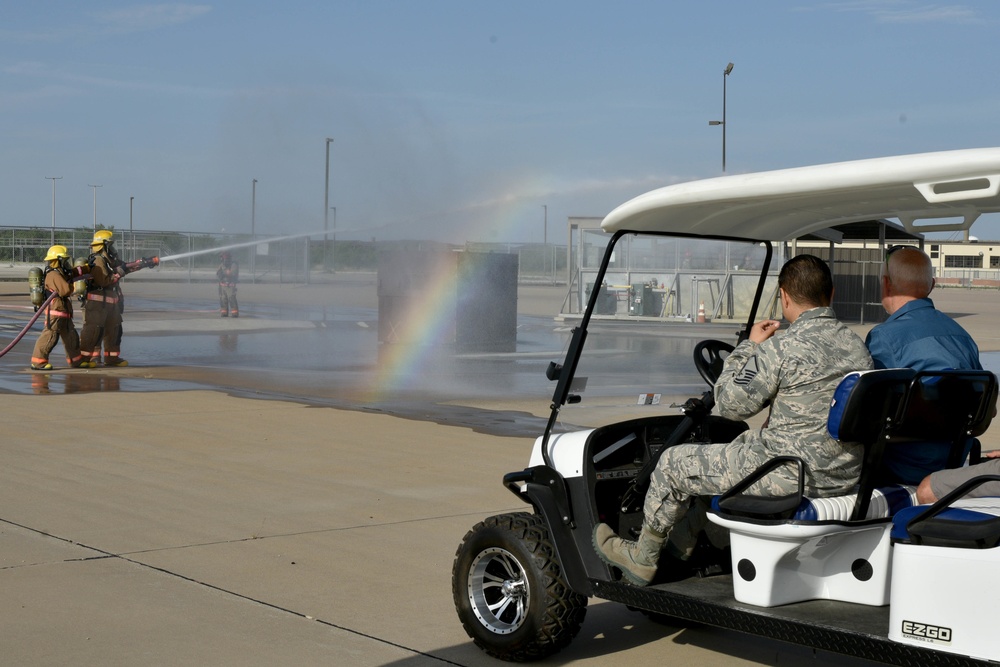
pixel 725 75
pixel 253 231
pixel 326 210
pixel 545 223
pixel 334 240
pixel 95 203
pixel 53 179
pixel 130 232
pixel 545 239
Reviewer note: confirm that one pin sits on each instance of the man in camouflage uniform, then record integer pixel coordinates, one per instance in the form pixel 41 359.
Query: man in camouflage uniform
pixel 796 374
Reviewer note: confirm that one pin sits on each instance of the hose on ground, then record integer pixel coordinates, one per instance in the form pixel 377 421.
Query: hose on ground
pixel 18 337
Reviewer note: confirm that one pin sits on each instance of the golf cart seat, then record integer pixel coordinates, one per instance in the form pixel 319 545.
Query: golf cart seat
pixel 793 548
pixel 945 557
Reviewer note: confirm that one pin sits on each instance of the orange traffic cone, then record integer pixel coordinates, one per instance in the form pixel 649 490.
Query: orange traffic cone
pixel 701 313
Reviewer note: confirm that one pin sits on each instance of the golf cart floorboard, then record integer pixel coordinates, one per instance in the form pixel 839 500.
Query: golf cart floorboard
pixel 839 627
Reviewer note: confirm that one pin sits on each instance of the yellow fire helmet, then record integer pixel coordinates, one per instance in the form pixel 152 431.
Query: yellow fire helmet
pixel 101 236
pixel 57 252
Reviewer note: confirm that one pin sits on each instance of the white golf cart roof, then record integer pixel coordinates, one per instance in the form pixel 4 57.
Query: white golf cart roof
pixel 949 189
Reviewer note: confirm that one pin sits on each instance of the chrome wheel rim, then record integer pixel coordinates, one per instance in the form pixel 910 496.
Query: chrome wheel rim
pixel 498 590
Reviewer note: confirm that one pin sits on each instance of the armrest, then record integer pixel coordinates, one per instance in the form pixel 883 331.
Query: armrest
pixel 736 503
pixel 960 528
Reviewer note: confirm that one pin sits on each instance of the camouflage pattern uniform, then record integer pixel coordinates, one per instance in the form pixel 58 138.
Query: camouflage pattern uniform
pixel 796 373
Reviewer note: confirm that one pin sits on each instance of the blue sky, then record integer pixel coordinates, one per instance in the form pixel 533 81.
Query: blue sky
pixel 459 120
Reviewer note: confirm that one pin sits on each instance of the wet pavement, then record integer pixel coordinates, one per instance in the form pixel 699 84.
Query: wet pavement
pixel 318 345
pixel 291 345
pixel 330 356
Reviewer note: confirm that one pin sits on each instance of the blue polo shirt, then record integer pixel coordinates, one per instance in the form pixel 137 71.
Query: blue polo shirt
pixel 921 337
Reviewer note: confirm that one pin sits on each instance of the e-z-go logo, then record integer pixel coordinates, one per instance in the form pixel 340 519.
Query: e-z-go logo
pixel 925 632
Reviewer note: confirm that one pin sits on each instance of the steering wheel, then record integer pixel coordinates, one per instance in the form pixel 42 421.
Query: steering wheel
pixel 708 358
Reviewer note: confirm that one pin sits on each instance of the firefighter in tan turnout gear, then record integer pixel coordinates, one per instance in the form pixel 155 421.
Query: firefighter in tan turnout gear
pixel 58 313
pixel 103 302
pixel 102 315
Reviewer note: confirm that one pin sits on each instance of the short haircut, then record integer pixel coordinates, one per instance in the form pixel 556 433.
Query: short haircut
pixel 807 280
pixel 910 271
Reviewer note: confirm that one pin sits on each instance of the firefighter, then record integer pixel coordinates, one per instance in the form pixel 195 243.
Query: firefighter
pixel 102 310
pixel 228 273
pixel 59 313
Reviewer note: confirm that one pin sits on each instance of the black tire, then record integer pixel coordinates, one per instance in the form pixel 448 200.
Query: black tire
pixel 509 590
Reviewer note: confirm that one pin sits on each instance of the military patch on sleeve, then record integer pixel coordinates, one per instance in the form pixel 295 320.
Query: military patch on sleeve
pixel 748 372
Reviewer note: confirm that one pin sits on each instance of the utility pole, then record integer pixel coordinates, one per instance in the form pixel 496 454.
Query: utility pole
pixel 253 231
pixel 334 240
pixel 95 203
pixel 326 211
pixel 545 233
pixel 725 75
pixel 545 239
pixel 53 179
pixel 130 232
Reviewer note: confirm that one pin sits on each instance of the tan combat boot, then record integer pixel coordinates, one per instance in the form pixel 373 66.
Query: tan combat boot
pixel 637 560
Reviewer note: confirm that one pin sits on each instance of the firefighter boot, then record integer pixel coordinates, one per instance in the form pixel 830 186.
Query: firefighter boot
pixel 637 560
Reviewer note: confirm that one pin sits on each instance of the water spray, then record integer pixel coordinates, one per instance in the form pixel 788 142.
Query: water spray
pixel 246 244
pixel 131 267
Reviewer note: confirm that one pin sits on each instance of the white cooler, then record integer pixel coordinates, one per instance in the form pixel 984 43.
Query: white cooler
pixel 944 597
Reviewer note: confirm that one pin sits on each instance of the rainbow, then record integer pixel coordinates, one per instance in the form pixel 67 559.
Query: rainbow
pixel 402 365
pixel 417 336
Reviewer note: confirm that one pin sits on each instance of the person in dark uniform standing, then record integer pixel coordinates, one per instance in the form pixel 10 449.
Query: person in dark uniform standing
pixel 58 314
pixel 228 273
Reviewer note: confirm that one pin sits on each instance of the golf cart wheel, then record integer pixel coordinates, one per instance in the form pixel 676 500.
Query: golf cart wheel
pixel 509 590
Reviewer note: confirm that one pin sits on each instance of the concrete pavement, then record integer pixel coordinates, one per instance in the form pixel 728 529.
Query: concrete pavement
pixel 212 530
pixel 198 528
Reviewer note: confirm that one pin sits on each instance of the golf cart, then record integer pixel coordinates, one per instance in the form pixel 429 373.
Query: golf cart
pixel 686 266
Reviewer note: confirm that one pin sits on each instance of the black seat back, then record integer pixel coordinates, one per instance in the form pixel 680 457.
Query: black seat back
pixel 893 406
pixel 864 400
pixel 900 406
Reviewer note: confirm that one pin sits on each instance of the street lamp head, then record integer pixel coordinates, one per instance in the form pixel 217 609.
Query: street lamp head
pixel 729 68
pixel 715 122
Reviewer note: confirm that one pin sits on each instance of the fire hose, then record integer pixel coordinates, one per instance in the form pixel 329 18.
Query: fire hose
pixel 131 267
pixel 18 337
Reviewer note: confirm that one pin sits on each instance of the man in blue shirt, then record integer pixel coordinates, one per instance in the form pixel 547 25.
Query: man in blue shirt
pixel 916 335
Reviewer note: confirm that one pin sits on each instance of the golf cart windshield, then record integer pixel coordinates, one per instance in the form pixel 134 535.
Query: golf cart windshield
pixel 657 297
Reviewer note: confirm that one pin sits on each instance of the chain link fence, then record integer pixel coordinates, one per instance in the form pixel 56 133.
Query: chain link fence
pixel 190 255
pixel 289 259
